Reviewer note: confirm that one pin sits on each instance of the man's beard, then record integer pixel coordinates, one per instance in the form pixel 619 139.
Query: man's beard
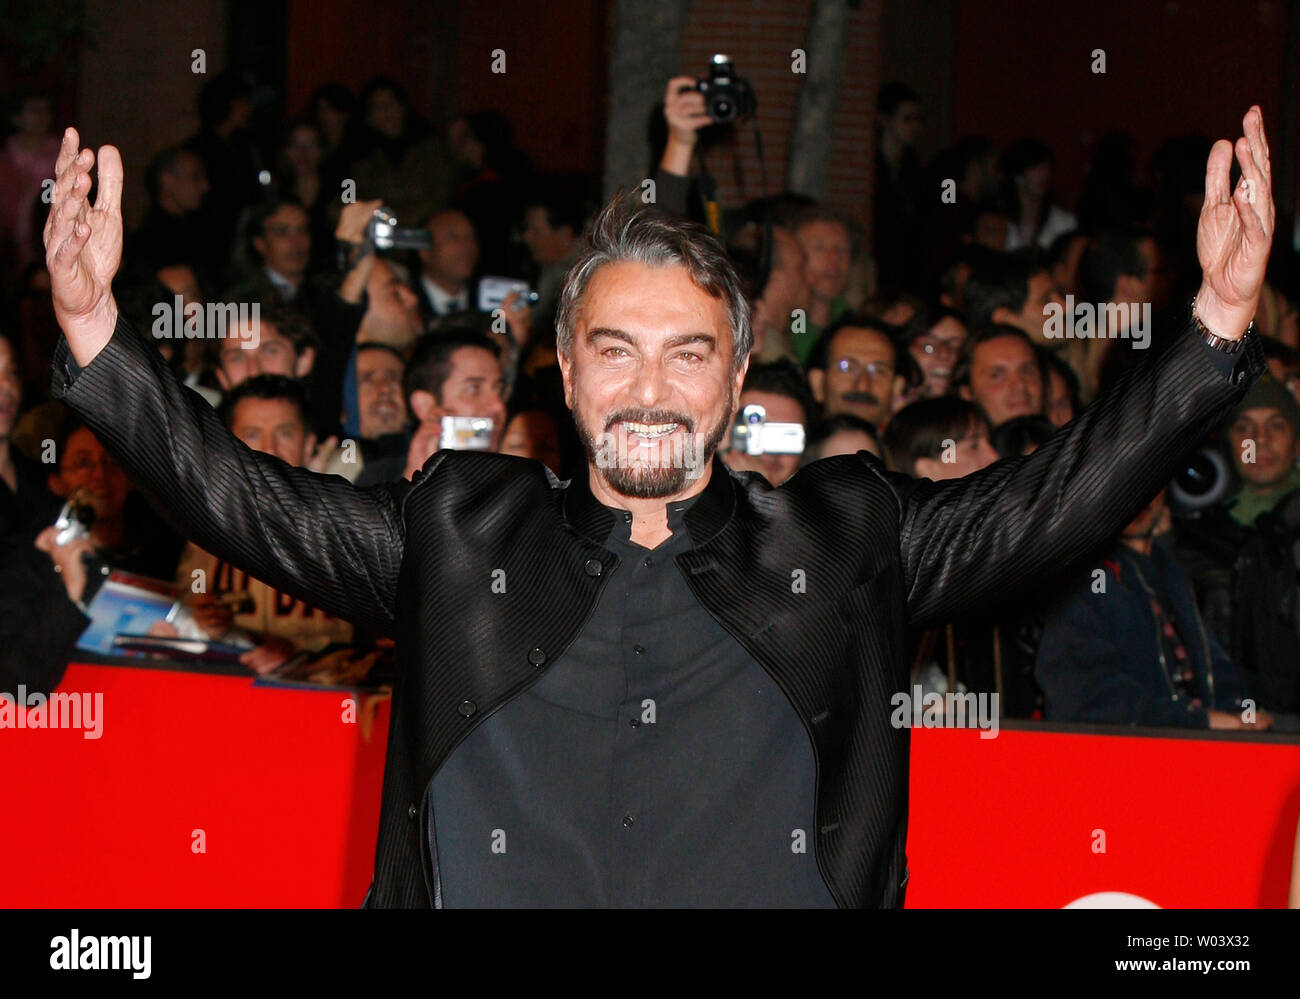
pixel 652 481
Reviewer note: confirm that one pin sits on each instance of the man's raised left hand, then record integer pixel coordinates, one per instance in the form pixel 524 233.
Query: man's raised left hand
pixel 1235 231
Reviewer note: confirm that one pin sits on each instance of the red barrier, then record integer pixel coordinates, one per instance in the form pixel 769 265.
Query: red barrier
pixel 1021 820
pixel 284 792
pixel 281 791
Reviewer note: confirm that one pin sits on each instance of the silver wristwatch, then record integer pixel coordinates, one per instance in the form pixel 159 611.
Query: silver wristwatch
pixel 1220 343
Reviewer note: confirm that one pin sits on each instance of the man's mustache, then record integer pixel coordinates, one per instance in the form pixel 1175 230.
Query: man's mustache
pixel 865 398
pixel 650 416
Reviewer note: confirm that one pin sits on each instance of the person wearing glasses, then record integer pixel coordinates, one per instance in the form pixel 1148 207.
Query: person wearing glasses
pixel 934 336
pixel 855 369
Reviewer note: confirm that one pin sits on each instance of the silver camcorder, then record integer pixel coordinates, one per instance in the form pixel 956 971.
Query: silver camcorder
pixel 493 292
pixel 383 233
pixel 752 434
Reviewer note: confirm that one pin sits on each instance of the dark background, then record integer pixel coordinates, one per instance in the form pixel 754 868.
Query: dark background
pixel 120 70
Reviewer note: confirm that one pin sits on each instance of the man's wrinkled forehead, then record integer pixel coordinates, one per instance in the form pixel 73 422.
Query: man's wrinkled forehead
pixel 645 305
pixel 861 341
pixel 450 221
pixel 1002 350
pixel 471 361
pixel 1263 414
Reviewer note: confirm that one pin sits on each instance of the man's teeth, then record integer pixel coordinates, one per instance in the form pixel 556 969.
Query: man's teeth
pixel 650 429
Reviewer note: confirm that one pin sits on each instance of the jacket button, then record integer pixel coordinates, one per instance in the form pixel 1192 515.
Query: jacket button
pixel 592 567
pixel 466 708
pixel 536 656
pixel 412 812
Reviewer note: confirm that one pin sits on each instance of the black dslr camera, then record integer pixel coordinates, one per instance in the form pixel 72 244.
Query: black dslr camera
pixel 727 97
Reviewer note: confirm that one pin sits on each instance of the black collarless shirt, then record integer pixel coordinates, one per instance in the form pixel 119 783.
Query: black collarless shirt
pixel 656 763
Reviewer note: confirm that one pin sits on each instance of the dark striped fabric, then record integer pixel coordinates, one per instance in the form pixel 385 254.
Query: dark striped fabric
pixel 815 579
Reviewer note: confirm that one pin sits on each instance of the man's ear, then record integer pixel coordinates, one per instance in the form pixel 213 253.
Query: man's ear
pixel 302 366
pixel 817 382
pixel 57 486
pixel 259 244
pixel 1004 315
pixel 566 374
pixel 964 392
pixel 737 382
pixel 222 379
pixel 425 406
pixel 927 468
pixel 308 447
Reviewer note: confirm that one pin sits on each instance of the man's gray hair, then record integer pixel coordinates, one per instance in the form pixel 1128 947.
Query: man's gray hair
pixel 626 230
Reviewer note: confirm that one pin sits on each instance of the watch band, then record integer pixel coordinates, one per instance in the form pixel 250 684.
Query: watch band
pixel 1219 343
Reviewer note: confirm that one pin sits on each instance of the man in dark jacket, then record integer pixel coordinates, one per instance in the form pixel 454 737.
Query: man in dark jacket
pixel 1128 646
pixel 1243 556
pixel 600 679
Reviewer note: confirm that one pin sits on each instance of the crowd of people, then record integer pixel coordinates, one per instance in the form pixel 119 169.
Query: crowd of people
pixel 931 348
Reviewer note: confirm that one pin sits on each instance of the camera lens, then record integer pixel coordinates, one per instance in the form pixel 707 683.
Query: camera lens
pixel 1198 476
pixel 1205 479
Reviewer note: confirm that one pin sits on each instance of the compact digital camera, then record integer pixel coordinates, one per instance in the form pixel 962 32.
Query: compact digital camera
pixel 466 433
pixel 74 521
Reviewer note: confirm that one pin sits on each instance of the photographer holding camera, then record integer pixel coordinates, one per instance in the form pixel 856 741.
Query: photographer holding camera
pixel 685 114
pixel 371 304
pixel 691 104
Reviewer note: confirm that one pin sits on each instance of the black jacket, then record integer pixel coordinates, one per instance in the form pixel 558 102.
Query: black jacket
pixel 1247 582
pixel 816 579
pixel 1101 658
pixel 39 625
pixel 1266 635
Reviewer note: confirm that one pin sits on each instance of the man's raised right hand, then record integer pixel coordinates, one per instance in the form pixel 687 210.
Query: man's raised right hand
pixel 83 246
pixel 685 114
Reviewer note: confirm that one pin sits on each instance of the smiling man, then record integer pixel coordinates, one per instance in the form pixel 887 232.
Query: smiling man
pixel 650 370
pixel 1265 439
pixel 652 685
pixel 1000 370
